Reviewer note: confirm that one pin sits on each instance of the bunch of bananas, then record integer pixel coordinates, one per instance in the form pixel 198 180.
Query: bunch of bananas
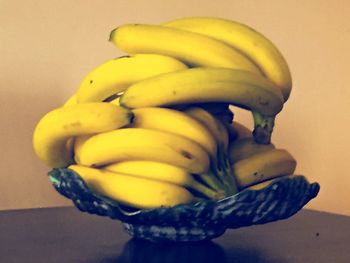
pixel 154 128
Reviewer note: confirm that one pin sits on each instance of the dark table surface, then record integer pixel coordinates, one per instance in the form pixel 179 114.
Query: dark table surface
pixel 68 235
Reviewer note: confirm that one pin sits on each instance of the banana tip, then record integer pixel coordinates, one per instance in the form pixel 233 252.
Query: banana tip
pixel 111 35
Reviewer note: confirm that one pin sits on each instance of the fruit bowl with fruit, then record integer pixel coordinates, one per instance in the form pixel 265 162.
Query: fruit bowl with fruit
pixel 150 138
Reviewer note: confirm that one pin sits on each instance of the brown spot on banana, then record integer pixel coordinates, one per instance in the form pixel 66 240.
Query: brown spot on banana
pixel 186 154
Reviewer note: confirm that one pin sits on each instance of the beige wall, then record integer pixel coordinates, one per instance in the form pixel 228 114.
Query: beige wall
pixel 46 47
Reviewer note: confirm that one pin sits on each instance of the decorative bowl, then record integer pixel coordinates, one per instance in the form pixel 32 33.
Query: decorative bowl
pixel 203 220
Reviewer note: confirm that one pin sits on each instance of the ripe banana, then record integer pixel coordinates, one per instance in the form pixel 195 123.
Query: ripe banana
pixel 241 130
pixel 177 122
pixel 132 190
pixel 243 148
pixel 194 85
pixel 241 88
pixel 225 117
pixel 220 165
pixel 222 113
pixel 263 166
pixel 56 127
pixel 115 101
pixel 214 108
pixel 114 76
pixel 72 100
pixel 264 184
pixel 78 143
pixel 223 134
pixel 192 48
pixel 245 39
pixel 142 144
pixel 162 172
pixel 211 124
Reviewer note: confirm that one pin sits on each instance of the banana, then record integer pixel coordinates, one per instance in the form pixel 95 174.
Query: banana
pixel 237 87
pixel 245 39
pixel 79 142
pixel 162 172
pixel 208 120
pixel 220 166
pixel 114 76
pixel 133 191
pixel 56 127
pixel 219 110
pixel 72 100
pixel 226 117
pixel 223 134
pixel 240 88
pixel 241 130
pixel 142 144
pixel 115 101
pixel 177 122
pixel 191 48
pixel 246 147
pixel 214 108
pixel 222 113
pixel 263 166
pixel 232 135
pixel 264 184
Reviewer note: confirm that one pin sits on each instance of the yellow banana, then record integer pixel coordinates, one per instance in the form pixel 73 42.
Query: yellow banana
pixel 214 108
pixel 114 76
pixel 132 190
pixel 162 172
pixel 56 127
pixel 263 166
pixel 115 101
pixel 72 100
pixel 79 142
pixel 245 39
pixel 264 184
pixel 241 130
pixel 194 49
pixel 197 85
pixel 222 113
pixel 243 148
pixel 177 122
pixel 208 120
pixel 142 144
pixel 223 134
pixel 225 117
pixel 220 165
pixel 237 87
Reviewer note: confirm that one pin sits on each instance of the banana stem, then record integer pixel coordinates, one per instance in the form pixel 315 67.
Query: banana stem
pixel 211 180
pixel 206 191
pixel 263 126
pixel 224 172
pixel 231 179
pixel 219 179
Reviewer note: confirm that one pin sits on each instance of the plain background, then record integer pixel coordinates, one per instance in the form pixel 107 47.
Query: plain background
pixel 46 48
